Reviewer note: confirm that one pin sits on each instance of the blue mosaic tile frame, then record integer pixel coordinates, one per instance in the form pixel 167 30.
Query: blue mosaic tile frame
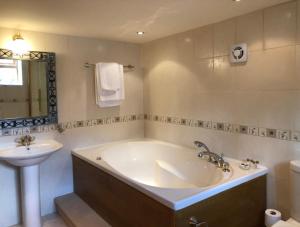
pixel 51 118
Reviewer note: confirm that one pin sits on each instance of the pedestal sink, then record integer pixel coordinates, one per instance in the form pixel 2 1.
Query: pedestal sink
pixel 28 159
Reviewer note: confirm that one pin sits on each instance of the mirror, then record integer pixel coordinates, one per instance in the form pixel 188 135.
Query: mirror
pixel 23 88
pixel 27 90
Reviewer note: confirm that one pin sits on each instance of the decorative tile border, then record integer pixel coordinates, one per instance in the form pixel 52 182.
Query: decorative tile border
pixel 219 126
pixel 71 125
pixel 228 127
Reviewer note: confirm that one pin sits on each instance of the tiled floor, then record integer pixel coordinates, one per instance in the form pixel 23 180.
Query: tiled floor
pixel 52 220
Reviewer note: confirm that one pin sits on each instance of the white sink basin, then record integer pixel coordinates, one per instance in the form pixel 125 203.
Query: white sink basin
pixel 34 154
pixel 28 158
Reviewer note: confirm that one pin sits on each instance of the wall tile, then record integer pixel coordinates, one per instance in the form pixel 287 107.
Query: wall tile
pixel 186 48
pixel 223 74
pixel 276 109
pixel 204 69
pixel 297 61
pixel 248 76
pixel 224 37
pixel 268 70
pixel 296 111
pixel 245 107
pixel 204 42
pixel 165 50
pixel 298 22
pixel 279 70
pixel 280 25
pixel 250 30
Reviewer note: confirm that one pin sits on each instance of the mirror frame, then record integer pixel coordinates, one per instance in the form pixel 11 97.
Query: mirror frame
pixel 51 118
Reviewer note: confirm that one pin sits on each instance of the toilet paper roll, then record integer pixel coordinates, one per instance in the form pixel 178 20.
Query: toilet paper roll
pixel 271 217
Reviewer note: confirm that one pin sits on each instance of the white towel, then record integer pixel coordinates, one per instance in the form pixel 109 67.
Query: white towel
pixel 110 75
pixel 105 97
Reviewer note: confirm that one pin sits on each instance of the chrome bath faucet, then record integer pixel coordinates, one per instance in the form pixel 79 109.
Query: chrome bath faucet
pixel 212 157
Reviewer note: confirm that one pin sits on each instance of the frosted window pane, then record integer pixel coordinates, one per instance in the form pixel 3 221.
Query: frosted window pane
pixel 11 72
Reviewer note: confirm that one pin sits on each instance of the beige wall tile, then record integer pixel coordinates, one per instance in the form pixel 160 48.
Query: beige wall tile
pixel 250 30
pixel 280 25
pixel 204 42
pixel 276 109
pixel 273 69
pixel 185 43
pixel 296 111
pixel 214 74
pixel 166 50
pixel 223 74
pixel 298 60
pixel 224 37
pixel 245 107
pixel 298 22
pixel 279 69
pixel 204 71
pixel 248 76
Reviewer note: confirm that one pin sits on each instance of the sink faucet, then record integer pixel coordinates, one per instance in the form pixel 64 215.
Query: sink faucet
pixel 214 158
pixel 25 140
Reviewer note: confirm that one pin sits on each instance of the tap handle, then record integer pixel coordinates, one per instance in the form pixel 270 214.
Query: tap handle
pixel 200 144
pixel 197 143
pixel 31 138
pixel 193 222
pixel 253 162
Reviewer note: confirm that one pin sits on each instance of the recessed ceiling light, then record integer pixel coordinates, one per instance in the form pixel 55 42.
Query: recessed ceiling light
pixel 140 33
pixel 236 0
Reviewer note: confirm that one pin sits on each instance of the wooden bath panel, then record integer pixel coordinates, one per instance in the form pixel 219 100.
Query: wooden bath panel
pixel 124 206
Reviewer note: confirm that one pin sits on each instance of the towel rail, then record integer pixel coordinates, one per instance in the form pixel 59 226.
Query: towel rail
pixel 88 65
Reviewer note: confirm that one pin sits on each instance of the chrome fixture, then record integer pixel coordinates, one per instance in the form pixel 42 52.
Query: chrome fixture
pixel 193 222
pixel 140 33
pixel 248 164
pixel 89 65
pixel 60 128
pixel 25 140
pixel 245 165
pixel 214 158
pixel 253 162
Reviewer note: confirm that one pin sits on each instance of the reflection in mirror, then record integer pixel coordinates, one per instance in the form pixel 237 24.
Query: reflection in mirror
pixel 23 88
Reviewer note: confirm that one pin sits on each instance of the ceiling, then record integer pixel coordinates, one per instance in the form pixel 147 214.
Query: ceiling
pixel 121 19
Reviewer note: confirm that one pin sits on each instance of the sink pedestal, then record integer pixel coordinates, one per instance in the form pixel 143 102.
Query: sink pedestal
pixel 30 188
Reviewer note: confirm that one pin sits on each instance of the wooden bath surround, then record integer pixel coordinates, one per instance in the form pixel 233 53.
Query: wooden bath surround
pixel 124 206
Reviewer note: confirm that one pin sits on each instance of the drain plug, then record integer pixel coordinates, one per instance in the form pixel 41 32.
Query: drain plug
pixel 98 158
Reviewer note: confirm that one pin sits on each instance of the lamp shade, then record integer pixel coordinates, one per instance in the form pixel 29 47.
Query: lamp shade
pixel 18 45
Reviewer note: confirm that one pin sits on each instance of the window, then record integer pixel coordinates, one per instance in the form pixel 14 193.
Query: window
pixel 11 72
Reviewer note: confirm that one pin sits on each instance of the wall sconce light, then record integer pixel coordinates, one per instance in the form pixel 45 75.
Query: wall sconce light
pixel 18 45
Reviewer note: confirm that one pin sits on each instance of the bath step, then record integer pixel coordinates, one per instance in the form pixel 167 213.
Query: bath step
pixel 76 213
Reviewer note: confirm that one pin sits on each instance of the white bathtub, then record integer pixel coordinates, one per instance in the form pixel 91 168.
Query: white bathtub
pixel 171 174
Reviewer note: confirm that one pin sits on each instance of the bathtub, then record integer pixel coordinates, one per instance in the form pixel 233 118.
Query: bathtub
pixel 168 173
